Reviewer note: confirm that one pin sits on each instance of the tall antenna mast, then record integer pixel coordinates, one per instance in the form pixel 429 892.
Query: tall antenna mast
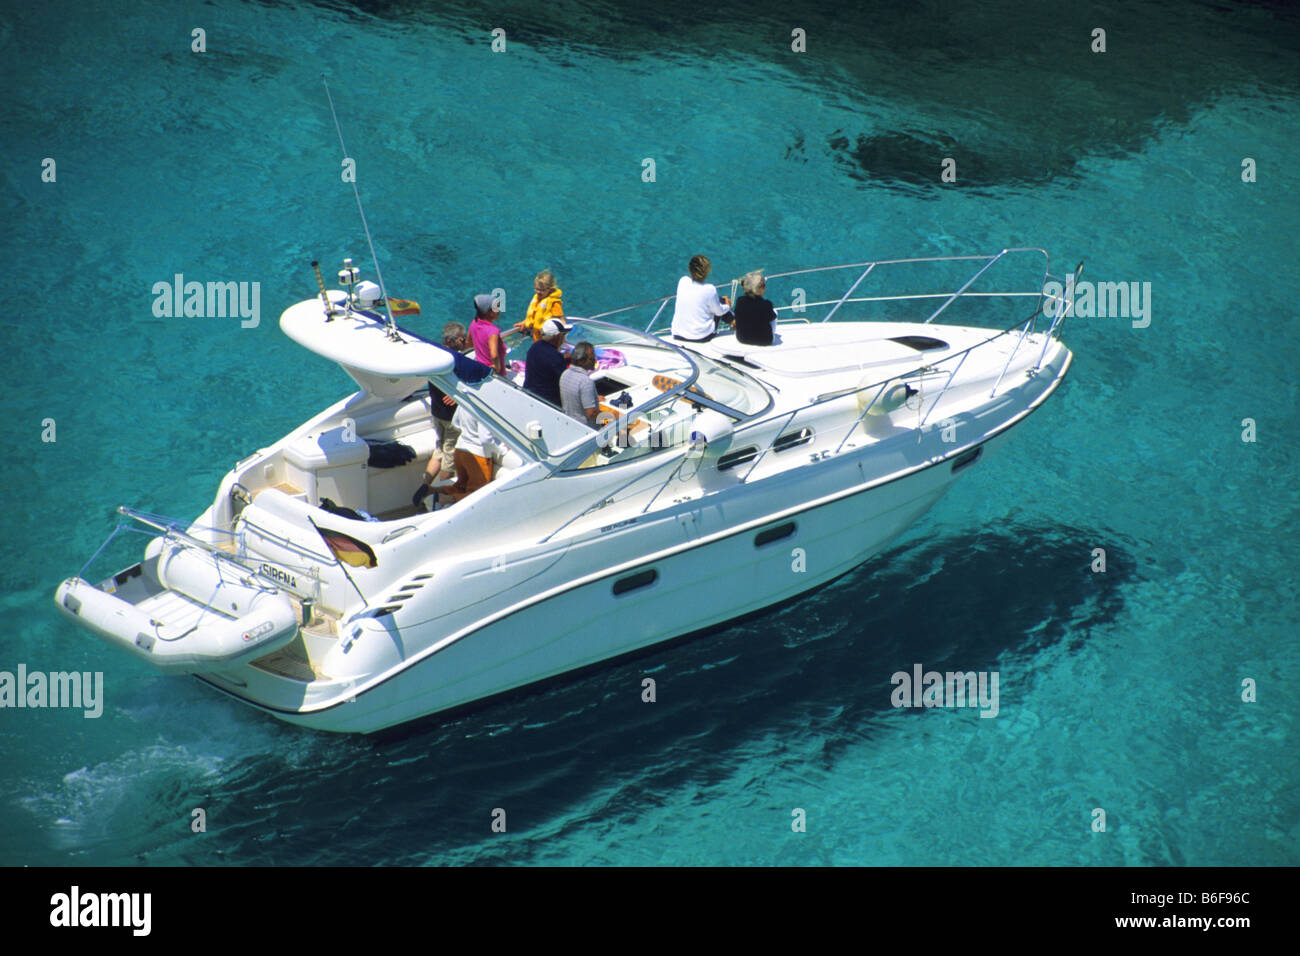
pixel 383 291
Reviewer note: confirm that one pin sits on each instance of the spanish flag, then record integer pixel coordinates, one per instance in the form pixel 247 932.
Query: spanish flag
pixel 398 307
pixel 349 549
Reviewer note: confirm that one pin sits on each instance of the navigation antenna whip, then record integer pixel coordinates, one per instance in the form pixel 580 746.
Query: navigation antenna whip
pixel 383 291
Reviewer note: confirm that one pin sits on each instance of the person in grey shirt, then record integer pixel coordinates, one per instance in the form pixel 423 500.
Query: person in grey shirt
pixel 577 390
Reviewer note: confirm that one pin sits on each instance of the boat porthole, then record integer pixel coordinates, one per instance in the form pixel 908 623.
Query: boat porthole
pixel 732 459
pixel 792 440
pixel 635 581
pixel 768 535
pixel 967 458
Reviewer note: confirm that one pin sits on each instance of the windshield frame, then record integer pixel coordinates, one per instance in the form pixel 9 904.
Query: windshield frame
pixel 568 459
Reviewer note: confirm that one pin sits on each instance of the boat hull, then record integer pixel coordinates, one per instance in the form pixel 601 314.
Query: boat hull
pixel 702 583
pixel 585 547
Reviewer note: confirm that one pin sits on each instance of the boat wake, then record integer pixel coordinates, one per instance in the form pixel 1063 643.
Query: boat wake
pixel 809 679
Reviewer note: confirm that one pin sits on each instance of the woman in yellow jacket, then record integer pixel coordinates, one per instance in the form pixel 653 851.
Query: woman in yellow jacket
pixel 546 304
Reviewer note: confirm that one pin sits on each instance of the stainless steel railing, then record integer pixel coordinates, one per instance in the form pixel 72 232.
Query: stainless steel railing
pixel 868 267
pixel 954 362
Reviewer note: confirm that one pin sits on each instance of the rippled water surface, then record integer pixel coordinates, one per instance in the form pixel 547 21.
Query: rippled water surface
pixel 1119 690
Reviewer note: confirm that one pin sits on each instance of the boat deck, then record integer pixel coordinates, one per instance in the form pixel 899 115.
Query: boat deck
pixel 290 661
pixel 300 659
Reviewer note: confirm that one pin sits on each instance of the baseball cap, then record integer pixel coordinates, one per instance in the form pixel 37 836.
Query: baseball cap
pixel 555 327
pixel 484 303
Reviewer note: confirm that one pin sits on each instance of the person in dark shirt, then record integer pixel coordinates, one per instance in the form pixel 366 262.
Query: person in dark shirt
pixel 544 364
pixel 755 316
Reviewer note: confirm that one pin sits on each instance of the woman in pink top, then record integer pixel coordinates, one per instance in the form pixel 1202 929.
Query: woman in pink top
pixel 485 335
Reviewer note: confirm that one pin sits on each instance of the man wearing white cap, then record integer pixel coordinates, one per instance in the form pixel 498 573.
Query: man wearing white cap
pixel 544 364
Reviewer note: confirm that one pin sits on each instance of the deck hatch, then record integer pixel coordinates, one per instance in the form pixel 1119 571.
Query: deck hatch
pixel 922 343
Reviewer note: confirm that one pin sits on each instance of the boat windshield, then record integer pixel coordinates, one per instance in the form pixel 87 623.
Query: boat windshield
pixel 730 387
pixel 650 390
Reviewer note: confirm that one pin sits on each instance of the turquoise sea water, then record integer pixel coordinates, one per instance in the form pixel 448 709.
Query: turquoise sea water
pixel 1119 690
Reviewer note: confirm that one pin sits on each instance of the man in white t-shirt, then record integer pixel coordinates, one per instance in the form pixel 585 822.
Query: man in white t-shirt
pixel 698 307
pixel 477 455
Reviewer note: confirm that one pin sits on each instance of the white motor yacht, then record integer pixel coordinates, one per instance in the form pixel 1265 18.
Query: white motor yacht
pixel 725 478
